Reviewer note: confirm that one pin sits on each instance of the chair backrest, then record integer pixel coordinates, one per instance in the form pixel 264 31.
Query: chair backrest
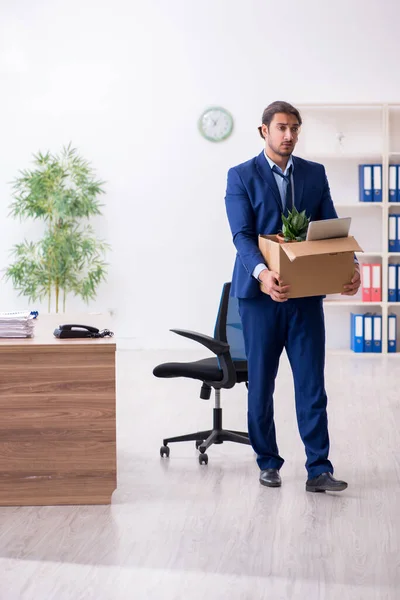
pixel 228 326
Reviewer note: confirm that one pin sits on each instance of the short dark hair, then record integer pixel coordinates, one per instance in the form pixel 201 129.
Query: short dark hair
pixel 278 107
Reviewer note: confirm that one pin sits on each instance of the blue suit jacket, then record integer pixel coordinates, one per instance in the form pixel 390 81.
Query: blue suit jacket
pixel 254 207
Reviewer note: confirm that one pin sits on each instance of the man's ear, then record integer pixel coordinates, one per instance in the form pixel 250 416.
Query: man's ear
pixel 264 131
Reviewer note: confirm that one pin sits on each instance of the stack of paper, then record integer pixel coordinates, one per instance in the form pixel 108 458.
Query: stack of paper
pixel 17 324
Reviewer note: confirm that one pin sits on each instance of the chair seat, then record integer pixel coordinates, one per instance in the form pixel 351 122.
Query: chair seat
pixel 204 370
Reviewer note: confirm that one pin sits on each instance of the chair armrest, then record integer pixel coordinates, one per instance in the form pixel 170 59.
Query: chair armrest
pixel 212 344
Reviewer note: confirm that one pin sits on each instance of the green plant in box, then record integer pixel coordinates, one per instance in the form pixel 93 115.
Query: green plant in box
pixel 294 226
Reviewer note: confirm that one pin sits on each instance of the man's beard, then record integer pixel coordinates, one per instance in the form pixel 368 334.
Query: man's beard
pixel 281 151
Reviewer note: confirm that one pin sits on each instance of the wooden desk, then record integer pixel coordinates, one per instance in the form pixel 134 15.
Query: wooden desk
pixel 57 419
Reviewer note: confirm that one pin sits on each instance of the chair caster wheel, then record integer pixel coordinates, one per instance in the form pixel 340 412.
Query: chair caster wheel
pixel 164 451
pixel 198 443
pixel 203 459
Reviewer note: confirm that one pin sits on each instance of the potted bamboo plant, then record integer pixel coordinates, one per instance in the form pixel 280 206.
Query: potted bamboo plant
pixel 60 190
pixel 294 227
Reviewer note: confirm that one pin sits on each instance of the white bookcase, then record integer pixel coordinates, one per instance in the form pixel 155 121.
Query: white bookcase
pixel 342 136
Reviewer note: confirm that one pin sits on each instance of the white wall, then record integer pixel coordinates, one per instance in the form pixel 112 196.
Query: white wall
pixel 126 82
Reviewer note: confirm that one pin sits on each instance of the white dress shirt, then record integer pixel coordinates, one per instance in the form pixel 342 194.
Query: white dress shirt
pixel 282 185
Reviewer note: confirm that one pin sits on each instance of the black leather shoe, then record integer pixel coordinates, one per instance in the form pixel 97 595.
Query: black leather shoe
pixel 325 483
pixel 270 477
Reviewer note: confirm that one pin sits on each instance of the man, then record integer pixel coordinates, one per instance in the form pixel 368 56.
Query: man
pixel 258 191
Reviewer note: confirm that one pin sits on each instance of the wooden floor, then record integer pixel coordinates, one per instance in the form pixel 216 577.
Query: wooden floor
pixel 177 530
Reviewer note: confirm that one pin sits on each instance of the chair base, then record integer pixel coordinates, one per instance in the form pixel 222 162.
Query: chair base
pixel 204 439
pixel 211 436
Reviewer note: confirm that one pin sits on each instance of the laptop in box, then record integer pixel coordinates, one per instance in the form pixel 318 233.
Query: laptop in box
pixel 328 228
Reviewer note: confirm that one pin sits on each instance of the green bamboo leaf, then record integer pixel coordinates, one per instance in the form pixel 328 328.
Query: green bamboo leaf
pixel 62 191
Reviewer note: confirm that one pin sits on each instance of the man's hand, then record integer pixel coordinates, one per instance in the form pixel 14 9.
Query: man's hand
pixel 272 285
pixel 352 288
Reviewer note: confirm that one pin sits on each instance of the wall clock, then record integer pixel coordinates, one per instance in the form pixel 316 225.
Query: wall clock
pixel 216 124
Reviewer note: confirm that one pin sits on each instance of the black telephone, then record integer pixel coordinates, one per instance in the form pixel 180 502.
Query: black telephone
pixel 80 331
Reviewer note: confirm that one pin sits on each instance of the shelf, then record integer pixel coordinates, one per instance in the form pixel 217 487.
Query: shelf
pixel 342 352
pixel 360 157
pixel 363 205
pixel 351 303
pixel 344 105
pixel 337 136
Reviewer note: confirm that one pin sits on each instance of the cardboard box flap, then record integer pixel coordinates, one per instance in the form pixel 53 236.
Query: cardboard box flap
pixel 331 246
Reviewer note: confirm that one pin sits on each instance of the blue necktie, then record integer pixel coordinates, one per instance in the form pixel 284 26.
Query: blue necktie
pixel 288 195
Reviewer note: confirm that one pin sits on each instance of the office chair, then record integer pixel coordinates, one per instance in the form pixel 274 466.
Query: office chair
pixel 222 372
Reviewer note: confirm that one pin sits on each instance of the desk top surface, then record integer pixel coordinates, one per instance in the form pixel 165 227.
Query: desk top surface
pixel 44 339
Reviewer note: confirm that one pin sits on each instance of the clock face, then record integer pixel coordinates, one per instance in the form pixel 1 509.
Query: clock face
pixel 216 124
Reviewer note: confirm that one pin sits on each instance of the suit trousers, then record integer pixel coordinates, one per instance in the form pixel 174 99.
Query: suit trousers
pixel 298 326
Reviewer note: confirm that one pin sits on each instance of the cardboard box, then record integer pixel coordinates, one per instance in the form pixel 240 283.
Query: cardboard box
pixel 311 268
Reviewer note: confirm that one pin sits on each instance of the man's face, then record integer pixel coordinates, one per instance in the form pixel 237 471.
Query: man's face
pixel 282 134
